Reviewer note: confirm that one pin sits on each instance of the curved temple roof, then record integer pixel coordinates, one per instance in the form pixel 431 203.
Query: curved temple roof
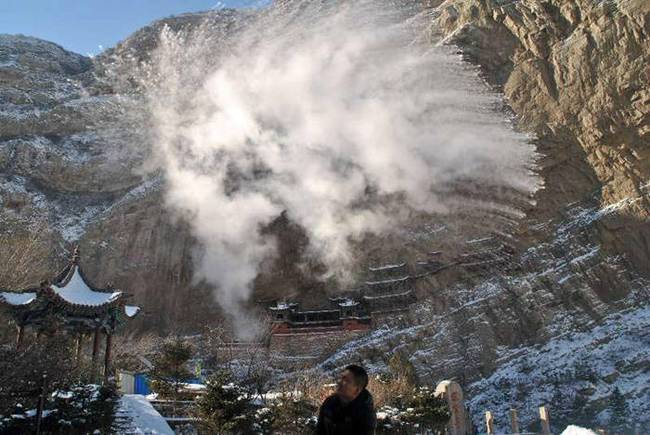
pixel 283 306
pixel 12 298
pixel 387 267
pixel 131 310
pixel 71 289
pixel 76 291
pixel 389 281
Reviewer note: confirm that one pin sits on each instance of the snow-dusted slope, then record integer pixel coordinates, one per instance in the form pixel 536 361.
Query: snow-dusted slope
pixel 564 330
pixel 63 157
pixel 70 166
pixel 589 362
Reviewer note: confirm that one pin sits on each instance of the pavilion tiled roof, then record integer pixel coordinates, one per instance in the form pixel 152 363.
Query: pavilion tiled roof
pixel 17 299
pixel 71 291
pixel 131 310
pixel 74 290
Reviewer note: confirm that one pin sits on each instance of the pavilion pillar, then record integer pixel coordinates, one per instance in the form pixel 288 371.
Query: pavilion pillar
pixel 20 335
pixel 78 349
pixel 107 355
pixel 95 352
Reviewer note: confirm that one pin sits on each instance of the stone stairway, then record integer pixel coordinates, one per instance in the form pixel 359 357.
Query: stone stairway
pixel 136 415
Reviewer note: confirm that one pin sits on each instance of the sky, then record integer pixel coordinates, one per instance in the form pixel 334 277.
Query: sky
pixel 88 26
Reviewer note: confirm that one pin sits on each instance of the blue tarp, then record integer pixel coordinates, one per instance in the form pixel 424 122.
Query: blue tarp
pixel 141 383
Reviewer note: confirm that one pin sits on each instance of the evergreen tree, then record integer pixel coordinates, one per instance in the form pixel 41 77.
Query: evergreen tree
pixel 170 370
pixel 558 406
pixel 584 372
pixel 619 411
pixel 558 398
pixel 224 408
pixel 581 413
pixel 428 410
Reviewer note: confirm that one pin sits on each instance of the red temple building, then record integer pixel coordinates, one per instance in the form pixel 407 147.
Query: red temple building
pixel 347 315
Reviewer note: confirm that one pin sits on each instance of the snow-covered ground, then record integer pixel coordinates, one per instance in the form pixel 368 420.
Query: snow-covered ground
pixel 615 353
pixel 138 416
pixel 577 430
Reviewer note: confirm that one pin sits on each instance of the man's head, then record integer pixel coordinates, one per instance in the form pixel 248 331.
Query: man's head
pixel 352 382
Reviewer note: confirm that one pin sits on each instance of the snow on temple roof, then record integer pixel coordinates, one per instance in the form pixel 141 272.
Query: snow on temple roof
pixel 386 267
pixel 78 303
pixel 283 306
pixel 348 303
pixel 388 281
pixel 131 310
pixel 396 295
pixel 480 240
pixel 76 291
pixel 12 298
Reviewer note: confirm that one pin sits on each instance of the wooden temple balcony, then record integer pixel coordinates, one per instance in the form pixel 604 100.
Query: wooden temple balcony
pixel 289 319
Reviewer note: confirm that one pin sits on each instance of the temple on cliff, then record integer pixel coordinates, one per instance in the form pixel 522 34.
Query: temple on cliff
pixel 388 289
pixel 486 254
pixel 70 304
pixel 345 314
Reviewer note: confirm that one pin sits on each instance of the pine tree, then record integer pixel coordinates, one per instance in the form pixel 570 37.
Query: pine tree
pixel 170 370
pixel 224 407
pixel 619 411
pixel 581 413
pixel 584 372
pixel 558 405
pixel 558 399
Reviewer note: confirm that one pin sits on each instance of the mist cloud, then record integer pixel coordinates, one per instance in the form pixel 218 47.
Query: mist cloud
pixel 339 115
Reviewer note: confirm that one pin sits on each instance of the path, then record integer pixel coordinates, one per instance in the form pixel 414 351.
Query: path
pixel 136 416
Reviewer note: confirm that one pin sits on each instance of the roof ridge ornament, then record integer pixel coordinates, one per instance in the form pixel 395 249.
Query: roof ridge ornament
pixel 75 255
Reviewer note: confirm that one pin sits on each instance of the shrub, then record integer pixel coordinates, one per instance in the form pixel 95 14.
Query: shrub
pixel 288 414
pixel 81 409
pixel 225 407
pixel 170 371
pixel 50 363
pixel 420 411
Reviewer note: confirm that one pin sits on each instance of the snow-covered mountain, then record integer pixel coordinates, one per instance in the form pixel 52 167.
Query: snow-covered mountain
pixel 567 311
pixel 569 324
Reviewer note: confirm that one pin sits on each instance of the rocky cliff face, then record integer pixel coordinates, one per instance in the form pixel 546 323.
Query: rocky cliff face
pixel 574 74
pixel 562 326
pixel 69 172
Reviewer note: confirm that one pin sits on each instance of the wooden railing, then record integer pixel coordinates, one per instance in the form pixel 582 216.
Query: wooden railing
pixel 545 423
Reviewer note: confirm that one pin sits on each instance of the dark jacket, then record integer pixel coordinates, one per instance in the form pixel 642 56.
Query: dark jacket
pixel 355 418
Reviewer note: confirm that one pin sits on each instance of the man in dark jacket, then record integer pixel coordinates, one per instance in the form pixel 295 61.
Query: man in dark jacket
pixel 350 410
